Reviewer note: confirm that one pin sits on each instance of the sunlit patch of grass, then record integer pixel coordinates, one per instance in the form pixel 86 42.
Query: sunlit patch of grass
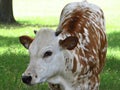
pixel 40 21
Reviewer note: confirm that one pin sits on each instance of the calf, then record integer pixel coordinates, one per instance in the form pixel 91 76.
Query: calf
pixel 72 57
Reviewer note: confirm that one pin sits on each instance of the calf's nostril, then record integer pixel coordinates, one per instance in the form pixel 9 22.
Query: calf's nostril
pixel 26 79
pixel 35 76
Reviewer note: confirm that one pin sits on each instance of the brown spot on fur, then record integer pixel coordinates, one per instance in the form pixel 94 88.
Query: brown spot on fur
pixel 74 65
pixel 54 86
pixel 93 80
pixel 75 23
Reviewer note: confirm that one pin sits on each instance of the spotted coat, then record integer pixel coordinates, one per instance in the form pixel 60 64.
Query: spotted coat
pixel 85 21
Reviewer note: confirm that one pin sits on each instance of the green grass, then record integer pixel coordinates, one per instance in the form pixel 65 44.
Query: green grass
pixel 14 57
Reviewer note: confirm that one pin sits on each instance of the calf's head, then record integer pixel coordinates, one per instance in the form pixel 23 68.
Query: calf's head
pixel 46 55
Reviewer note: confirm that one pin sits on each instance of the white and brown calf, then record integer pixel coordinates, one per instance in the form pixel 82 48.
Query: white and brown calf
pixel 72 57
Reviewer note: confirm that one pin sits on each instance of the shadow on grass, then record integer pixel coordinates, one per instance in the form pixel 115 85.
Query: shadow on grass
pixel 26 23
pixel 8 41
pixel 114 39
pixel 112 64
pixel 110 77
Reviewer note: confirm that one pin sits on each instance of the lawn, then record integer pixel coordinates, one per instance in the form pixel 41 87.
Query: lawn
pixel 14 57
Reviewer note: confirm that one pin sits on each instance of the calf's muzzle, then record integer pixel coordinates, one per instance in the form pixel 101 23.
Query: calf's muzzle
pixel 27 79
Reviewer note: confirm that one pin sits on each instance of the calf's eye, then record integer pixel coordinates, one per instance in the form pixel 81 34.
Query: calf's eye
pixel 47 54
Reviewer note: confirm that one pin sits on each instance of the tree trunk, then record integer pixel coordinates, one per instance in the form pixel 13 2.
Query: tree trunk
pixel 6 11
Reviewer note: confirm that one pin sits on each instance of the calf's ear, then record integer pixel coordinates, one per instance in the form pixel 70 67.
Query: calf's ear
pixel 69 42
pixel 25 41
